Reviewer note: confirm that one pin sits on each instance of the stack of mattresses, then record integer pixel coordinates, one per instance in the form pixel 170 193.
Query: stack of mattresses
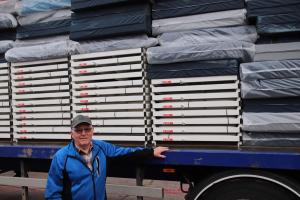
pixel 5 126
pixel 111 25
pixel 194 83
pixel 270 92
pixel 178 15
pixel 41 99
pixel 43 31
pixel 109 87
pixel 8 24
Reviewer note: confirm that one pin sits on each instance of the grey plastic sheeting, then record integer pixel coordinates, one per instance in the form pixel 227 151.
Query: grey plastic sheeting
pixel 270 70
pixel 208 20
pixel 6 45
pixel 271 139
pixel 7 21
pixel 271 88
pixel 26 7
pixel 239 33
pixel 42 17
pixel 271 122
pixel 39 41
pixel 40 52
pixel 7 6
pixel 242 51
pixel 117 43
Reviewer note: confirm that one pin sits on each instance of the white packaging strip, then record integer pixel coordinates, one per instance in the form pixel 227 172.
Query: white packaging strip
pixel 196 138
pixel 118 122
pixel 42 96
pixel 4 123
pixel 4 91
pixel 200 21
pixel 46 102
pixel 42 109
pixel 4 71
pixel 184 88
pixel 4 78
pixel 42 122
pixel 107 77
pixel 4 104
pixel 108 84
pixel 5 129
pixel 109 107
pixel 6 135
pixel 56 115
pixel 46 75
pixel 83 71
pixel 4 97
pixel 60 135
pixel 41 129
pixel 3 84
pixel 113 91
pixel 197 121
pixel 135 138
pixel 105 115
pixel 89 100
pixel 54 67
pixel 40 62
pixel 119 130
pixel 4 110
pixel 40 82
pixel 183 96
pixel 4 117
pixel 196 104
pixel 40 89
pixel 196 129
pixel 3 65
pixel 107 62
pixel 106 54
pixel 193 80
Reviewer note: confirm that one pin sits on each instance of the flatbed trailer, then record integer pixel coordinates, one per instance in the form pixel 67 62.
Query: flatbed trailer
pixel 209 174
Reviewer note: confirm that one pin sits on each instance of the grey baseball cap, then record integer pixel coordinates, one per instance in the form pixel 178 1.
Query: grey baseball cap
pixel 79 119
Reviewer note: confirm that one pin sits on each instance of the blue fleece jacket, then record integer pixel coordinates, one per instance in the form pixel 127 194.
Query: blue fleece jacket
pixel 85 183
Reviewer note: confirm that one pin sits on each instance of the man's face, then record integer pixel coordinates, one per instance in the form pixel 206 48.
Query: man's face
pixel 82 135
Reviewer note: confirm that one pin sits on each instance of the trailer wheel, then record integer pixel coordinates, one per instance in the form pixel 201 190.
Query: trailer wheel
pixel 245 186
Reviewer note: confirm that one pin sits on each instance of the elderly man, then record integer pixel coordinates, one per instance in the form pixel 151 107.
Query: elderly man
pixel 78 170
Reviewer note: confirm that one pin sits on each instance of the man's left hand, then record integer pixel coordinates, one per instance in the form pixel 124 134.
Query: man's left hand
pixel 159 150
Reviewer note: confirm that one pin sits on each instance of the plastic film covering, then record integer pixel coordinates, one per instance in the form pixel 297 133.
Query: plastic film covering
pixel 193 69
pixel 7 21
pixel 117 43
pixel 270 70
pixel 271 139
pixel 175 8
pixel 85 4
pixel 8 34
pixel 208 20
pixel 110 22
pixel 239 33
pixel 26 7
pixel 39 41
pixel 7 6
pixel 45 29
pixel 6 45
pixel 242 51
pixel 42 17
pixel 271 88
pixel 280 23
pixel 2 58
pixel 40 52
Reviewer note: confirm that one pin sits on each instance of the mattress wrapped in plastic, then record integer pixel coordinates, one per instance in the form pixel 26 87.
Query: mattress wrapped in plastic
pixel 41 17
pixel 41 52
pixel 39 41
pixel 116 43
pixel 6 45
pixel 193 69
pixel 7 21
pixel 176 8
pixel 271 7
pixel 45 29
pixel 110 22
pixel 208 20
pixel 8 6
pixel 270 70
pixel 279 51
pixel 238 33
pixel 89 4
pixel 242 51
pixel 271 88
pixel 271 139
pixel 26 7
pixel 8 34
pixel 278 24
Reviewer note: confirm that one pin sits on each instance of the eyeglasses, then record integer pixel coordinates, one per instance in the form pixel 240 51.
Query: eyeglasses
pixel 81 130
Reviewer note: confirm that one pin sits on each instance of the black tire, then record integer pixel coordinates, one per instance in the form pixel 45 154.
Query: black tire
pixel 245 185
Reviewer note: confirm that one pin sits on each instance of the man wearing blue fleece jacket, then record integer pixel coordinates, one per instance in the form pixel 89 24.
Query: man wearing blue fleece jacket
pixel 78 170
